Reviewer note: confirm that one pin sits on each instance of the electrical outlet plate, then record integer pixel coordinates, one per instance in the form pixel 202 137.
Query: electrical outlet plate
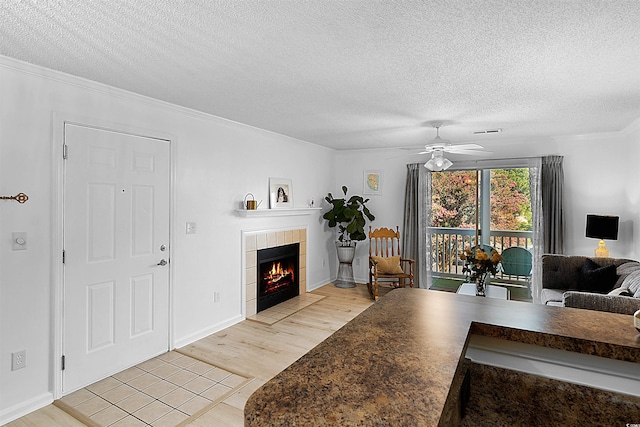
pixel 18 360
pixel 191 228
pixel 19 241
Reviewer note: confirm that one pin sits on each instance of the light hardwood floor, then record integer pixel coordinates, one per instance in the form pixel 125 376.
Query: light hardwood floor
pixel 253 349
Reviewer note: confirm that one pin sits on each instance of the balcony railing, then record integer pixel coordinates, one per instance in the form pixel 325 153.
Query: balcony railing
pixel 447 244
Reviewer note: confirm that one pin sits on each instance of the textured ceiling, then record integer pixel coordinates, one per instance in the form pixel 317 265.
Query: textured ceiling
pixel 354 74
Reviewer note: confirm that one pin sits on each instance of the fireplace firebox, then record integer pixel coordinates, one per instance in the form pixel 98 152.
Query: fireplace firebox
pixel 277 275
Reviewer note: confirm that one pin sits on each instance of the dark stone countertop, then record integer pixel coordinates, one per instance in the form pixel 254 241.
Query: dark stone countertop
pixel 396 362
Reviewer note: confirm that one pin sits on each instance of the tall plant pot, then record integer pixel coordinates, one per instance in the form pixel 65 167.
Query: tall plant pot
pixel 345 268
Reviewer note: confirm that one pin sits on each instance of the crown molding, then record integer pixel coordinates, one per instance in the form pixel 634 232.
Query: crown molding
pixel 633 127
pixel 24 67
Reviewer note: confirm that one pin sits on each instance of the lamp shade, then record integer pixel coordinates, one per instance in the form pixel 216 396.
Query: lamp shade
pixel 602 227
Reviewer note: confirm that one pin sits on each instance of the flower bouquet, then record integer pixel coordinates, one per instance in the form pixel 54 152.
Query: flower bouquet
pixel 477 264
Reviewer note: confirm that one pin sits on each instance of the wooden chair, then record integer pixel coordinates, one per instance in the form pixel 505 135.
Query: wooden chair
pixel 386 266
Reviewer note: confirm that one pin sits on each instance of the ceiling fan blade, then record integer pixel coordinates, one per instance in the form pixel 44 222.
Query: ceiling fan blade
pixel 452 148
pixel 482 153
pixel 434 147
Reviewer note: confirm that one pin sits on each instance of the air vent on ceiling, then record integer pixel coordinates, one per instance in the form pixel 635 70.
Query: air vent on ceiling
pixel 479 132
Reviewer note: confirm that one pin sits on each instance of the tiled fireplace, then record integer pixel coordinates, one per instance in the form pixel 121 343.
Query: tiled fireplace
pixel 267 239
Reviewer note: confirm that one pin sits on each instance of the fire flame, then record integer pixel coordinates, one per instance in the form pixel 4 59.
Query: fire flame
pixel 277 277
pixel 277 272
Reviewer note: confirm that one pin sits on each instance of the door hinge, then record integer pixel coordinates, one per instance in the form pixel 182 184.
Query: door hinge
pixel 63 362
pixel 64 151
pixel 64 256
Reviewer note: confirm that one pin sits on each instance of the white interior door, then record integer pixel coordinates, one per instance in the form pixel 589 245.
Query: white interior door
pixel 116 243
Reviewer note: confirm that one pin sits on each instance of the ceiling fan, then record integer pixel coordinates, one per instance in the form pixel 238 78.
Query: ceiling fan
pixel 439 146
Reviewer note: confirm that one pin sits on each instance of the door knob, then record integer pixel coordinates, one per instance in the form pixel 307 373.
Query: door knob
pixel 163 262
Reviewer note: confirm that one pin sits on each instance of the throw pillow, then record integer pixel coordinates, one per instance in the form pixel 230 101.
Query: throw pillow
pixel 390 265
pixel 625 292
pixel 628 267
pixel 594 278
pixel 632 282
pixel 624 270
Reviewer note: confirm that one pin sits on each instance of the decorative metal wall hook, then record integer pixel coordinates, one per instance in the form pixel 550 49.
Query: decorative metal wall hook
pixel 20 198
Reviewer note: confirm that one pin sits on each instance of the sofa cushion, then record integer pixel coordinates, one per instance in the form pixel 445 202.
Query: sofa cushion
pixel 564 271
pixel 594 278
pixel 632 282
pixel 593 301
pixel 561 272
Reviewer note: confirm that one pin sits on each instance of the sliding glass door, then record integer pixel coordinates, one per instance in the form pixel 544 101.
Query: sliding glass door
pixel 488 207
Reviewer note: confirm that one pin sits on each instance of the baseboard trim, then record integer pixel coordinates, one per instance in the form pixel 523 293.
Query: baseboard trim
pixel 317 285
pixel 179 343
pixel 26 407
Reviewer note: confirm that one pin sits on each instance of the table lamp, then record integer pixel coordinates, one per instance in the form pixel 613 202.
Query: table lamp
pixel 602 227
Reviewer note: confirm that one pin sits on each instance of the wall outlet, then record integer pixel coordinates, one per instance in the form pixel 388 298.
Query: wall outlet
pixel 324 263
pixel 191 228
pixel 18 360
pixel 19 241
pixel 216 296
pixel 357 263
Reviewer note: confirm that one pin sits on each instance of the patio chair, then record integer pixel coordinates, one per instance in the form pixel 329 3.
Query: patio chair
pixel 517 261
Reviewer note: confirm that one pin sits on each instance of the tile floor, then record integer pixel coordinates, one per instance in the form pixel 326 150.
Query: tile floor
pixel 168 390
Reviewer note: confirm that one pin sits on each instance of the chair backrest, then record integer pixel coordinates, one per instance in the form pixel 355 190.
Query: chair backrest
pixel 517 261
pixel 384 242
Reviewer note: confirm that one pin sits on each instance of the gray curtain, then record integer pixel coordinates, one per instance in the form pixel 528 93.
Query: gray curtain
pixel 535 185
pixel 552 179
pixel 415 244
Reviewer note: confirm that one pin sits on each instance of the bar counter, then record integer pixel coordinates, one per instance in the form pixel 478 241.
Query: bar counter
pixel 398 362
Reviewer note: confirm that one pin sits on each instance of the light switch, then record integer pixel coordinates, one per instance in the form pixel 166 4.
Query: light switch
pixel 191 228
pixel 19 241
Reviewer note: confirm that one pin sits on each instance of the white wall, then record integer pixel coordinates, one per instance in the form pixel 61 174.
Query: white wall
pixel 601 177
pixel 388 207
pixel 216 163
pixel 633 188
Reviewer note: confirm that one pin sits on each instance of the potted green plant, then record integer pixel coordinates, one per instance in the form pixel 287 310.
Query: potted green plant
pixel 350 216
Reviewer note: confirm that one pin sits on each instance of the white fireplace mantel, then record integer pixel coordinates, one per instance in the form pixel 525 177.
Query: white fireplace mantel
pixel 255 213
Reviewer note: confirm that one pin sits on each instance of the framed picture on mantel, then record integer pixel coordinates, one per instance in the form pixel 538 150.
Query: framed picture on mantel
pixel 280 193
pixel 372 182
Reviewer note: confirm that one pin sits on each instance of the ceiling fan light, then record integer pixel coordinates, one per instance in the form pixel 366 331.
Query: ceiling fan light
pixel 431 165
pixel 437 165
pixel 438 162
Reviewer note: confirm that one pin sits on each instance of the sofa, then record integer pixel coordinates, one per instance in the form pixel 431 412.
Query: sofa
pixel 604 284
